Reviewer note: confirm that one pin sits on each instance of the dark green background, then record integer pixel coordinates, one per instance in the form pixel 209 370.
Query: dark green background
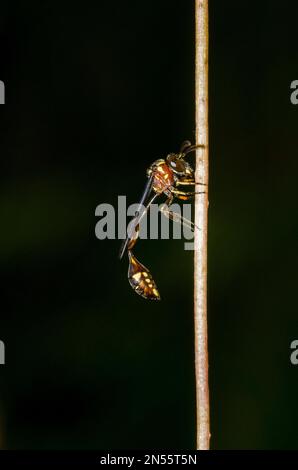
pixel 94 93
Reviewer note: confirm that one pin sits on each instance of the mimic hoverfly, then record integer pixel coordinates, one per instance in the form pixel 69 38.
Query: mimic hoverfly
pixel 167 177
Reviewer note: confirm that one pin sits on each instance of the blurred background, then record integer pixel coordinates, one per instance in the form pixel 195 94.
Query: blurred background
pixel 94 93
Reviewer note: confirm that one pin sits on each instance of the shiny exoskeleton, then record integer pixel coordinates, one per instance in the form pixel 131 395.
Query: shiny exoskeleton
pixel 170 177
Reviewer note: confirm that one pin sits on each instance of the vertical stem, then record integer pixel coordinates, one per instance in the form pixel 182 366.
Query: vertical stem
pixel 201 220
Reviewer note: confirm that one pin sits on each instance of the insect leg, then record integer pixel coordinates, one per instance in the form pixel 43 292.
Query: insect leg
pixel 185 195
pixel 188 182
pixel 174 216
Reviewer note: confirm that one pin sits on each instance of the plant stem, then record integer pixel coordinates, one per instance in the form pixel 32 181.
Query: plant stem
pixel 201 220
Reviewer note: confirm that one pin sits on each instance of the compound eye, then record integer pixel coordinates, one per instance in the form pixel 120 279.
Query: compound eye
pixel 176 164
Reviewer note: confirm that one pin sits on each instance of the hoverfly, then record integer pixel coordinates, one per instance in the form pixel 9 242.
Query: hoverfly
pixel 167 177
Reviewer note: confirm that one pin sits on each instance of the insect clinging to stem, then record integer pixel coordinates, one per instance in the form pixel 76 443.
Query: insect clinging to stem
pixel 175 178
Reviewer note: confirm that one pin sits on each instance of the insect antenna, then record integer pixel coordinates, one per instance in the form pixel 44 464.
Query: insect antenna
pixel 190 149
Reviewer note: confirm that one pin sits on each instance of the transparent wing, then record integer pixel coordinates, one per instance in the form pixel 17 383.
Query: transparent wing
pixel 133 227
